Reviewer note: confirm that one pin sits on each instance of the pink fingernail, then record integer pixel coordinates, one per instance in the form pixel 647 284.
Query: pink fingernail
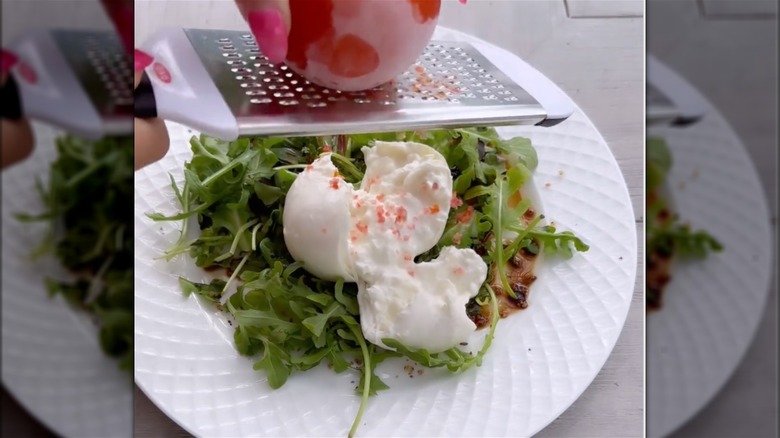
pixel 123 17
pixel 270 32
pixel 141 60
pixel 8 61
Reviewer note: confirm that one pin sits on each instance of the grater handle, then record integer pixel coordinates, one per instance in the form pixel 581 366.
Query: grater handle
pixel 555 102
pixel 48 88
pixel 689 105
pixel 178 88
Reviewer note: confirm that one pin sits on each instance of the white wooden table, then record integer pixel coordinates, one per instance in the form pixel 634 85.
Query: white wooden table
pixel 599 62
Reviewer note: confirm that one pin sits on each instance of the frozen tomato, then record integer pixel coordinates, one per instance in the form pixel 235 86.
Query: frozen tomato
pixel 355 45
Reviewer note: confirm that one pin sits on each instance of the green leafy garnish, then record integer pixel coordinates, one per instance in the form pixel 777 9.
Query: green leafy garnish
pixel 666 237
pixel 88 209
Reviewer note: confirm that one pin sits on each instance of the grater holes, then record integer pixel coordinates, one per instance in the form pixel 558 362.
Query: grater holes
pixel 250 43
pixel 246 78
pixel 279 94
pixel 316 104
pixel 236 62
pixel 233 55
pixel 361 100
pixel 288 102
pixel 223 40
pixel 246 36
pixel 242 70
pixel 261 100
pixel 251 85
pixel 256 93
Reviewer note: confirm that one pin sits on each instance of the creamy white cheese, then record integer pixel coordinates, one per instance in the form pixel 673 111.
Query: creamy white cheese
pixel 371 236
pixel 316 221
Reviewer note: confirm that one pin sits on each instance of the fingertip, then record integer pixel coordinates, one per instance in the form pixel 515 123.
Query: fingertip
pixel 141 60
pixel 17 142
pixel 7 61
pixel 270 32
pixel 151 142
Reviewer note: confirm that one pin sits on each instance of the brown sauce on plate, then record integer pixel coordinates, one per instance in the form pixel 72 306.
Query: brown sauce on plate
pixel 520 275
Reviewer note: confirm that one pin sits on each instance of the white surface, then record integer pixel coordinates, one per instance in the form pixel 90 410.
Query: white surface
pixel 191 97
pixel 712 307
pixel 185 360
pixel 739 8
pixel 605 8
pixel 52 362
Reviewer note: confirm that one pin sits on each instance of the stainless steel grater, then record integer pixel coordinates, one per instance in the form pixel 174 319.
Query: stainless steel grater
pixel 219 82
pixel 669 100
pixel 78 80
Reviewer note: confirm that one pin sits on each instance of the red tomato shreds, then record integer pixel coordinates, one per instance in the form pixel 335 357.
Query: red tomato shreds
pixel 400 215
pixel 457 238
pixel 466 215
pixel 455 202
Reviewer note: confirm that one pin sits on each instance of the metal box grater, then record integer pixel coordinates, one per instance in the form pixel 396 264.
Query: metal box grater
pixel 223 76
pixel 669 100
pixel 78 80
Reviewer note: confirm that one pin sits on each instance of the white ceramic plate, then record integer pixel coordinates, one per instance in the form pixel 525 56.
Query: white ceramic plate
pixel 712 307
pixel 52 362
pixel 541 361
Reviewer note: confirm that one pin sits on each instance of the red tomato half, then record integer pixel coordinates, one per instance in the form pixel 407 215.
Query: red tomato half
pixel 355 45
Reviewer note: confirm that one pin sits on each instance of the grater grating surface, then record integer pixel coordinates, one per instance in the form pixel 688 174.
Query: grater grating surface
pixel 450 85
pixel 102 66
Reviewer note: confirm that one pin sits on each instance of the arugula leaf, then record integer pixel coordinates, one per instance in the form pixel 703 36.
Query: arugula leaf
pixel 659 162
pixel 88 211
pixel 275 364
pixel 558 243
